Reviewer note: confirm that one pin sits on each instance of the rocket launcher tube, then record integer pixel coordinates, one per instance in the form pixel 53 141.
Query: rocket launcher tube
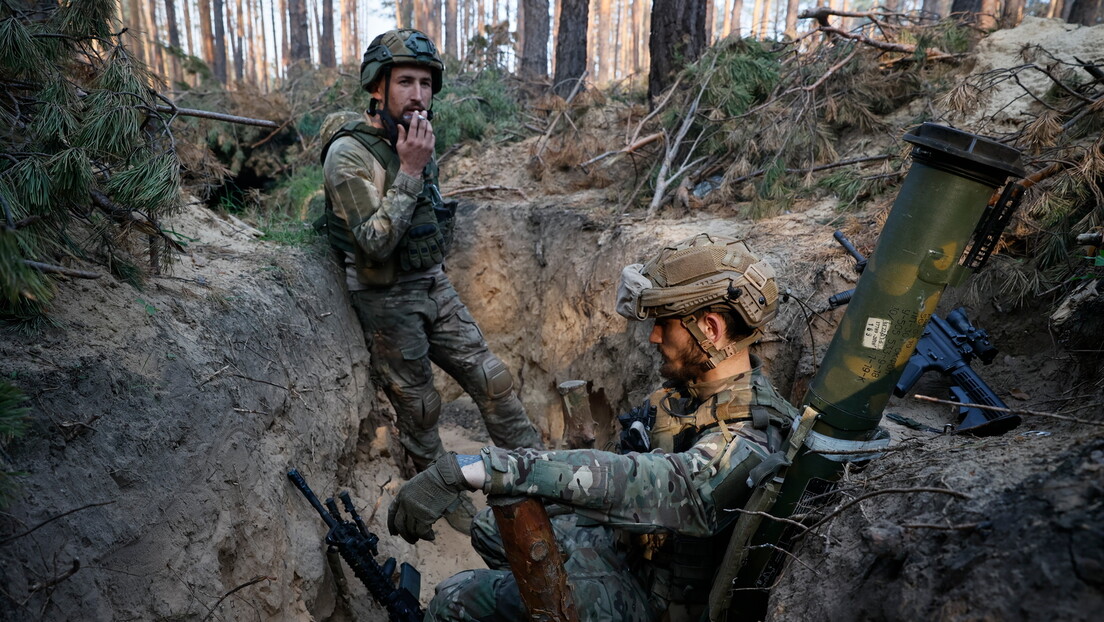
pixel 952 178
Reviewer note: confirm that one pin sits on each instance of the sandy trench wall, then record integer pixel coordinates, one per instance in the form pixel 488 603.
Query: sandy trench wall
pixel 181 405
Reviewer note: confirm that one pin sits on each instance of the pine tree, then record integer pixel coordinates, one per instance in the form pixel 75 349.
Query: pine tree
pixel 85 157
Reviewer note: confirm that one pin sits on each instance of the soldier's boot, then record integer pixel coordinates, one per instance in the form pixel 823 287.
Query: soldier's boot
pixel 460 517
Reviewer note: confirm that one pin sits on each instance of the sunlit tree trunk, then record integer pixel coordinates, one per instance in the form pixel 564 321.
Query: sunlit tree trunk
pixel 452 36
pixel 603 36
pixel 207 34
pixel 756 8
pixel 677 39
pixel 791 19
pixel 737 15
pixel 173 31
pixel 571 45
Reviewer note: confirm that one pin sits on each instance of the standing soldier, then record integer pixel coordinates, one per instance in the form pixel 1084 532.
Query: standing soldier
pixel 386 218
pixel 649 525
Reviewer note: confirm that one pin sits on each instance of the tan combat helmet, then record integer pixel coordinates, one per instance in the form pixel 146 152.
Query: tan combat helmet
pixel 703 273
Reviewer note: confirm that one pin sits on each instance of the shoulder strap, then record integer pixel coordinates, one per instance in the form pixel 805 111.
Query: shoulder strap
pixel 374 141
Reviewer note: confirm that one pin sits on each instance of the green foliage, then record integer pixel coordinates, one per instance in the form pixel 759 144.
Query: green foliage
pixel 474 107
pixel 78 106
pixel 13 424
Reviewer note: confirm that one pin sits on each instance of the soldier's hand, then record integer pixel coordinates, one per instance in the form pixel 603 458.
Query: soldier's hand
pixel 426 498
pixel 415 144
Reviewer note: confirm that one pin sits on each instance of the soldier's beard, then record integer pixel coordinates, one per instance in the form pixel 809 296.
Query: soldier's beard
pixel 686 365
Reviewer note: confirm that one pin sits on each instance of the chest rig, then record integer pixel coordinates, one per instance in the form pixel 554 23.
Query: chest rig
pixel 684 566
pixel 340 233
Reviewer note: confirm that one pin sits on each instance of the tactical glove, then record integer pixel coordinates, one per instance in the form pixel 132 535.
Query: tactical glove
pixel 425 498
pixel 424 243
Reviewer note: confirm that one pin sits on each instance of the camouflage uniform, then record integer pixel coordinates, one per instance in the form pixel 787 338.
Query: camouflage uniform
pixel 639 516
pixel 410 317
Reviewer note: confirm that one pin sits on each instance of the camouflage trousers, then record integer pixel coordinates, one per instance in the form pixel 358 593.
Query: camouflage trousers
pixel 597 570
pixel 412 323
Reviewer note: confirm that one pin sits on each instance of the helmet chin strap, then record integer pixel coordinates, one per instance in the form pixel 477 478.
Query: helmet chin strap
pixel 383 111
pixel 715 354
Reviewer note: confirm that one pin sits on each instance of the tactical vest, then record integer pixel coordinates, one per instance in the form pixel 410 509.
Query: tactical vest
pixel 684 565
pixel 340 233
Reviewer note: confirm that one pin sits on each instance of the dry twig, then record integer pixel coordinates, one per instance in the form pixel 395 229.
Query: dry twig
pixel 254 580
pixel 1014 411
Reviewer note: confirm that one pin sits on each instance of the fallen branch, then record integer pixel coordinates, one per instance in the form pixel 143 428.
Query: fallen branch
pixel 543 142
pixel 1014 411
pixel 884 491
pixel 453 193
pixel 814 169
pixel 900 48
pixel 36 586
pixel 252 581
pixel 627 149
pixel 52 269
pixel 50 520
pixel 960 527
pixel 217 116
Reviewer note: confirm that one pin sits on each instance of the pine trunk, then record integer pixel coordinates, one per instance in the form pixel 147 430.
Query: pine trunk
pixel 1084 12
pixel 677 39
pixel 452 36
pixel 571 46
pixel 174 41
pixel 300 25
pixel 602 38
pixel 791 19
pixel 534 54
pixel 1012 13
pixel 207 34
pixel 218 45
pixel 327 51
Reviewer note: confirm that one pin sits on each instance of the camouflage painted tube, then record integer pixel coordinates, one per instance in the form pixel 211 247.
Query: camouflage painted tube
pixel 952 177
pixel 948 187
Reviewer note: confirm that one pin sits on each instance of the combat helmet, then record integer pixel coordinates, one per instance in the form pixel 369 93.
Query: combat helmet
pixel 404 46
pixel 702 273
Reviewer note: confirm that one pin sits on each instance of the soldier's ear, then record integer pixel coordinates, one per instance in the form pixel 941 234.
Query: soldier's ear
pixel 713 325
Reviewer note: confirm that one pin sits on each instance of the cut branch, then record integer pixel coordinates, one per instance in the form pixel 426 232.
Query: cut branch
pixel 1014 411
pixel 52 269
pixel 459 191
pixel 627 149
pixel 217 116
pixel 885 491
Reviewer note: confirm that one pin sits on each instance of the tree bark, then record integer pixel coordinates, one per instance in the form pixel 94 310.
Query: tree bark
pixel 207 34
pixel 571 46
pixel 677 39
pixel 452 35
pixel 602 35
pixel 327 50
pixel 1084 12
pixel 218 61
pixel 534 52
pixel 791 19
pixel 298 34
pixel 1012 13
pixel 174 41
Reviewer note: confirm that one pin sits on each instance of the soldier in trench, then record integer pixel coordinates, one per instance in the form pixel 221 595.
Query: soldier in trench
pixel 647 525
pixel 391 228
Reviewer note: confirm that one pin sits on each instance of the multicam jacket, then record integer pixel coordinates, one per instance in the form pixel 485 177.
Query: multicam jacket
pixel 372 202
pixel 684 492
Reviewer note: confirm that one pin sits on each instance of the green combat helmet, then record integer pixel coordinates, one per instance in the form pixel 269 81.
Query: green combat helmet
pixel 404 46
pixel 703 273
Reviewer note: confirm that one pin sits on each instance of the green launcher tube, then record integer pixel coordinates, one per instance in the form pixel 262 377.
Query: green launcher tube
pixel 952 178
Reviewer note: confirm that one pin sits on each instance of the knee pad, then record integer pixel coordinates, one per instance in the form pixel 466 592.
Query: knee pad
pixel 423 408
pixel 497 381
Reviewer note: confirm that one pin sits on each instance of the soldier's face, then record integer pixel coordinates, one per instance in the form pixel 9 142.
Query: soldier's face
pixel 411 91
pixel 683 360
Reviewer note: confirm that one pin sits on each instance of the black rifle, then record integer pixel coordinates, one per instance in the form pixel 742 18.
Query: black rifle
pixel 948 346
pixel 357 547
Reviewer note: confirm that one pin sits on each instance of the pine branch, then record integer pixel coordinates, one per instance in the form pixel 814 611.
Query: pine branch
pixel 52 269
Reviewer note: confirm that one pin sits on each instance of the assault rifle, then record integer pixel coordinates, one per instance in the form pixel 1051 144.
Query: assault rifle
pixel 357 546
pixel 948 346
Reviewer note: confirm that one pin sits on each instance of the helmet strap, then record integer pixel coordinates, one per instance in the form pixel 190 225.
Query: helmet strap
pixel 715 354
